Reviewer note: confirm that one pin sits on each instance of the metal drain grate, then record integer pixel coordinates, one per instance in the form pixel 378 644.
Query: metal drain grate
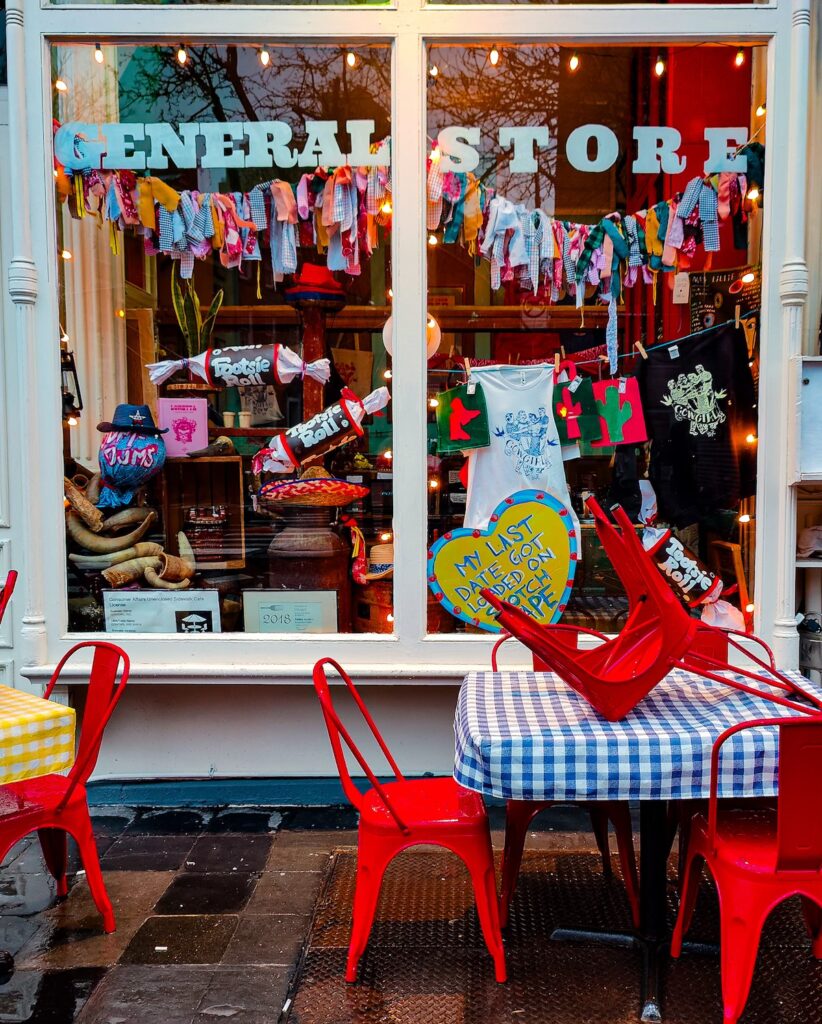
pixel 426 962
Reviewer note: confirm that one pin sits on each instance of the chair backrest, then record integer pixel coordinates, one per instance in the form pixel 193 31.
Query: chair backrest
pixel 104 691
pixel 339 735
pixel 799 803
pixel 6 591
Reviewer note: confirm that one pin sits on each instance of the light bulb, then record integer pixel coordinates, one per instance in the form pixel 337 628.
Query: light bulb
pixel 748 278
pixel 744 518
pixel 351 59
pixel 659 67
pixel 64 338
pixel 386 207
pixel 385 536
pixel 65 254
pixel 390 293
pixel 121 313
pixel 573 63
pixel 433 484
pixel 433 71
pixel 60 85
pixel 182 56
pixel 739 58
pixel 493 56
pixel 265 57
pixel 432 240
pixel 72 421
pixel 389 617
pixel 750 438
pixel 98 53
pixel 388 455
pixel 387 375
pixel 433 403
pixel 753 194
pixel 435 155
pixel 749 608
pixel 760 110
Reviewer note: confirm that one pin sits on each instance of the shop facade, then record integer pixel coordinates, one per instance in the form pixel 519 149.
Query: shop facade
pixel 399 190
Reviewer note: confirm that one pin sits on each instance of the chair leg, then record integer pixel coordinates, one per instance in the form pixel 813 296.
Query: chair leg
pixel 518 816
pixel 620 814
pixel 84 834
pixel 599 824
pixel 480 860
pixel 689 890
pixel 54 844
pixel 373 857
pixel 743 909
pixel 812 912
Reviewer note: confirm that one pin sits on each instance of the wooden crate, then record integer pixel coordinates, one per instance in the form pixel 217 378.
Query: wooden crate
pixel 216 480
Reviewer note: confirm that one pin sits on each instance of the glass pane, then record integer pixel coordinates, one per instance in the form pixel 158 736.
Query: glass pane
pixel 224 224
pixel 582 203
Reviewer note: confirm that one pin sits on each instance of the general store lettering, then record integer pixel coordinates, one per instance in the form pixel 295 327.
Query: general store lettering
pixel 591 148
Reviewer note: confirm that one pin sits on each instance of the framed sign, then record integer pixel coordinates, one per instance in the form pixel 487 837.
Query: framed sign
pixel 162 611
pixel 290 611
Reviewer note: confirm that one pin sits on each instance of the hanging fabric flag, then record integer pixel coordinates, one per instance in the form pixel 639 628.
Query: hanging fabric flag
pixel 575 410
pixel 462 419
pixel 620 412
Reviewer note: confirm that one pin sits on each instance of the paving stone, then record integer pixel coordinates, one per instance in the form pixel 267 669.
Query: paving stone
pixel 215 893
pixel 304 851
pixel 23 894
pixel 228 853
pixel 246 819
pixel 340 817
pixel 200 939
pixel 15 931
pixel 267 939
pixel 111 819
pixel 16 850
pixel 285 892
pixel 53 997
pixel 244 995
pixel 134 994
pixel 147 853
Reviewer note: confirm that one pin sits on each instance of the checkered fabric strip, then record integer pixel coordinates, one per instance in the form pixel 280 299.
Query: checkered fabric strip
pixel 36 736
pixel 528 736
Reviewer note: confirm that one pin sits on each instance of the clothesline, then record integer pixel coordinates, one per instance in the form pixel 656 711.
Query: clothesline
pixel 633 355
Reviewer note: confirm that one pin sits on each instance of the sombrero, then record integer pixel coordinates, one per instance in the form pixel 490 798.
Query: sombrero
pixel 320 491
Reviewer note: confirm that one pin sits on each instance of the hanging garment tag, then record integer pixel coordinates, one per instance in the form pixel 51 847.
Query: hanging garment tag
pixel 673 351
pixel 575 383
pixel 682 289
pixel 622 385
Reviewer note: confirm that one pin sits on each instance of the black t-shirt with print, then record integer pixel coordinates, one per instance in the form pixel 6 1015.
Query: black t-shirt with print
pixel 699 409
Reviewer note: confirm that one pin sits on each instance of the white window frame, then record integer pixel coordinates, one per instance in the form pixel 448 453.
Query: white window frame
pixel 33 309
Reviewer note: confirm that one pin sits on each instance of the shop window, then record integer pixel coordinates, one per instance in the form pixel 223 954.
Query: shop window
pixel 224 246
pixel 594 231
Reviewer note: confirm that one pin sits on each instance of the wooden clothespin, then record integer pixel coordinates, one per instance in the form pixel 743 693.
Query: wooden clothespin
pixel 472 384
pixel 641 349
pixel 556 364
pixel 562 351
pixel 737 312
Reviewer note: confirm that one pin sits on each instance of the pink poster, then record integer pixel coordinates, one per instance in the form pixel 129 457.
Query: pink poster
pixel 187 423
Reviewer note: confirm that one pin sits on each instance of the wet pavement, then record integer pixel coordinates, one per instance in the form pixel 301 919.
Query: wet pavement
pixel 243 914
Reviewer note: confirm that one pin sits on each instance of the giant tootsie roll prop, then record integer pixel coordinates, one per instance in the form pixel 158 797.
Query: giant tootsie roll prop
pixel 327 430
pixel 243 365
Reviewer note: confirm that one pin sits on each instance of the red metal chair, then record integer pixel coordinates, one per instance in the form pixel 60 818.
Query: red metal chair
pixel 405 813
pixel 57 805
pixel 6 591
pixel 520 813
pixel 758 858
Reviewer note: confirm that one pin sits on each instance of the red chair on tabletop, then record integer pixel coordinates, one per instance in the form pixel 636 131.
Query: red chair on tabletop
pixel 759 857
pixel 57 805
pixel 406 813
pixel 520 813
pixel 6 591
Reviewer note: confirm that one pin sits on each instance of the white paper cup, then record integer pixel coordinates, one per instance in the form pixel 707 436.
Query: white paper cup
pixel 228 419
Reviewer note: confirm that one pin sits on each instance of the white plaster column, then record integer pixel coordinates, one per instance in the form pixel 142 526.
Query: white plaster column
pixel 775 491
pixel 22 284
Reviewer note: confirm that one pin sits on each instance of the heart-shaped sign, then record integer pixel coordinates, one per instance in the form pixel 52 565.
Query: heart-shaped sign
pixel 528 555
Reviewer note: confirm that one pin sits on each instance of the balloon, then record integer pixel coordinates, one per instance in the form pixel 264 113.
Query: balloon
pixel 433 336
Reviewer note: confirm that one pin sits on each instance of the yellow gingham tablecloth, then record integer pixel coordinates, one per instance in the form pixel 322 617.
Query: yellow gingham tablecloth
pixel 36 736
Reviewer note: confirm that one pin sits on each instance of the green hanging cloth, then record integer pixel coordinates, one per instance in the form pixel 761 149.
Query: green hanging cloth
pixel 575 411
pixel 462 419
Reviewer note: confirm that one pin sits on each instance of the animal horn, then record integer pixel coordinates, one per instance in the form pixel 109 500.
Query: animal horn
pixel 128 517
pixel 91 516
pixel 186 552
pixel 104 545
pixel 159 583
pixel 174 569
pixel 93 488
pixel 128 572
pixel 144 549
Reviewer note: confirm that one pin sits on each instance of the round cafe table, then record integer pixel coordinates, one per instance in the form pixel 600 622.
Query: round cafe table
pixel 36 738
pixel 524 735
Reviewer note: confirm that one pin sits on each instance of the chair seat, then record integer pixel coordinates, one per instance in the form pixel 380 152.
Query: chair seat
pixel 31 796
pixel 745 837
pixel 425 804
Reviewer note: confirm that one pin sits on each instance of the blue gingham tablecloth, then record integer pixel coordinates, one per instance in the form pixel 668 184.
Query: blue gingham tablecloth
pixel 524 735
